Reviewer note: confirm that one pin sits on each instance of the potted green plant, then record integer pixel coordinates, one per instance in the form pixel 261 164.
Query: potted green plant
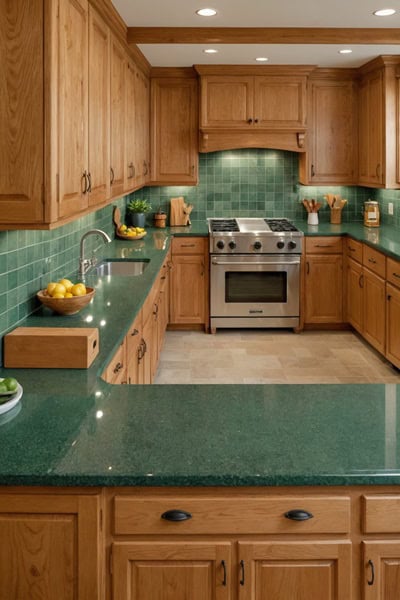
pixel 137 209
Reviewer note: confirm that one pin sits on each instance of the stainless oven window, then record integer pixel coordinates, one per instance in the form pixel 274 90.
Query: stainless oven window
pixel 261 287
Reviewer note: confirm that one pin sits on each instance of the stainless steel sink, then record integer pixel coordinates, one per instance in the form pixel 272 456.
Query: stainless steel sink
pixel 126 268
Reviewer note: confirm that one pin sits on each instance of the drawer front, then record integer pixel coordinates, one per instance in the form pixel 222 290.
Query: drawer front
pixel 374 261
pixel 354 249
pixel 381 514
pixel 188 245
pixel 234 516
pixel 393 272
pixel 323 245
pixel 115 371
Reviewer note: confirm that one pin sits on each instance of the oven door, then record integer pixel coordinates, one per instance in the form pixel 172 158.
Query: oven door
pixel 255 286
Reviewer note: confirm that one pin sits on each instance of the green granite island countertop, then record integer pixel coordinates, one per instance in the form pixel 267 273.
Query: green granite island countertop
pixel 73 429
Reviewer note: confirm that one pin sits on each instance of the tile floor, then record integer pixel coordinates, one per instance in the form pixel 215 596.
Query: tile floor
pixel 271 356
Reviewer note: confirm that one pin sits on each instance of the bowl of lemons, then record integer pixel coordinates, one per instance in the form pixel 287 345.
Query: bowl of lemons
pixel 65 297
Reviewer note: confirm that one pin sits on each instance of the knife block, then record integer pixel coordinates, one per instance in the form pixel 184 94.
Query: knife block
pixel 51 347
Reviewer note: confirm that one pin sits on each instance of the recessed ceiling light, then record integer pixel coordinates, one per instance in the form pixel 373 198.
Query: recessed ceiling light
pixel 206 12
pixel 210 51
pixel 261 59
pixel 345 51
pixel 384 12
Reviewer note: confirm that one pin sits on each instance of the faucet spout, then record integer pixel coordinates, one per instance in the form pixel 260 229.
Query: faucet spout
pixel 86 263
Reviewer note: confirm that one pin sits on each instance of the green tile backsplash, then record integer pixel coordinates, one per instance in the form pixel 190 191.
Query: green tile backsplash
pixel 253 183
pixel 232 183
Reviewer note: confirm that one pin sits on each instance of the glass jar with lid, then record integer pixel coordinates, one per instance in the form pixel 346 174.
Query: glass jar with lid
pixel 371 213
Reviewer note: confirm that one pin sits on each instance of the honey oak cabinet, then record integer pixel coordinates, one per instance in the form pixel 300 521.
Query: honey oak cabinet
pixel 50 546
pixel 170 570
pixel 118 104
pixel 323 297
pixel 142 128
pixel 189 291
pixel 116 370
pixel 134 351
pixel 331 156
pixel 130 127
pixel 174 131
pixel 378 127
pixel 288 570
pixel 381 569
pixel 393 311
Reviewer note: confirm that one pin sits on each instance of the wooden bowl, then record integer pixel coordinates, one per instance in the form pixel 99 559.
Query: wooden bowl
pixel 128 237
pixel 66 306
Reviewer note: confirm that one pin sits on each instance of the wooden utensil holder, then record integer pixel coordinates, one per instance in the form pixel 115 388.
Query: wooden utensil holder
pixel 336 216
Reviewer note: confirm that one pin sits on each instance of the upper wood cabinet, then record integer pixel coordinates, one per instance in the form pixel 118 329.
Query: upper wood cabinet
pixel 331 155
pixel 142 128
pixel 174 131
pixel 378 126
pixel 118 103
pixel 252 107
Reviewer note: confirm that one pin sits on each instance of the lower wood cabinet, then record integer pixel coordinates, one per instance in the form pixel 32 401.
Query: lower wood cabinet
pixel 323 302
pixel 189 295
pixel 393 311
pixel 50 547
pixel 381 570
pixel 171 570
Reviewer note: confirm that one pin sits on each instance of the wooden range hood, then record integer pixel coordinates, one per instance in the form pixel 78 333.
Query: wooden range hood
pixel 253 107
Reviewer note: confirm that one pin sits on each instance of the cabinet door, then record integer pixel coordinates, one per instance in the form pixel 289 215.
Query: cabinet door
pixel 393 325
pixel 134 351
pixel 73 107
pixel 381 570
pixel 374 305
pixel 333 134
pixel 142 128
pixel 99 109
pixel 130 133
pixel 118 99
pixel 146 354
pixel 288 570
pixel 371 129
pixel 354 306
pixel 227 101
pixel 279 102
pixel 324 289
pixel 49 547
pixel 21 111
pixel 171 570
pixel 116 371
pixel 188 290
pixel 174 131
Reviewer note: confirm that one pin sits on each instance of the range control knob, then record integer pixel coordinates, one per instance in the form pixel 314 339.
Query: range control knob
pixel 280 244
pixel 257 246
pixel 220 244
pixel 292 245
pixel 232 244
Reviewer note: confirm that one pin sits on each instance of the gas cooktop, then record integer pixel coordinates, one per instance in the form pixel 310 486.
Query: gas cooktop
pixel 251 225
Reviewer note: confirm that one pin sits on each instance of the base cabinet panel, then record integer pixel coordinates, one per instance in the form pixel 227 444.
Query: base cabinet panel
pixel 374 310
pixel 171 571
pixel 381 570
pixel 301 570
pixel 393 325
pixel 324 289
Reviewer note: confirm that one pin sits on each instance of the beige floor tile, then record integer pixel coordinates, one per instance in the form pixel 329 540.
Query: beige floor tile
pixel 271 356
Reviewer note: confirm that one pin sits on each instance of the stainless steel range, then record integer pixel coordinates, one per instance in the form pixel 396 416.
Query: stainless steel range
pixel 254 273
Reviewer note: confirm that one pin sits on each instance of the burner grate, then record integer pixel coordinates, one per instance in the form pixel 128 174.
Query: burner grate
pixel 224 225
pixel 280 225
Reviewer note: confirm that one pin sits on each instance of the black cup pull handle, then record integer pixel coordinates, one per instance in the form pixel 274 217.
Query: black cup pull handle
pixel 298 514
pixel 223 564
pixel 176 515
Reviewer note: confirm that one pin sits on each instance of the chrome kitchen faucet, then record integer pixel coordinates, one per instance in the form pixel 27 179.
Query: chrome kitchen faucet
pixel 86 263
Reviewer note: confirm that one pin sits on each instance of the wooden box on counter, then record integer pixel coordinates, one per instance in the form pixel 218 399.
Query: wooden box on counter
pixel 51 347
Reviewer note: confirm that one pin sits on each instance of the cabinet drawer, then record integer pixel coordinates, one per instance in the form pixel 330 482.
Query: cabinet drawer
pixel 354 249
pixel 323 245
pixel 374 261
pixel 235 515
pixel 393 271
pixel 188 245
pixel 381 514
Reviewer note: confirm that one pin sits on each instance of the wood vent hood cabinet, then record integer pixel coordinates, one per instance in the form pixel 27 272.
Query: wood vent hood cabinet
pixel 253 107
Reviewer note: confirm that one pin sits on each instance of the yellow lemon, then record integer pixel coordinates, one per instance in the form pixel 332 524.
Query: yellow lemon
pixel 58 295
pixel 59 288
pixel 78 289
pixel 50 288
pixel 68 295
pixel 66 283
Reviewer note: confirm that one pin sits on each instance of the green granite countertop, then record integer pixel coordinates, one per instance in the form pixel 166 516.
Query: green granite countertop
pixel 73 429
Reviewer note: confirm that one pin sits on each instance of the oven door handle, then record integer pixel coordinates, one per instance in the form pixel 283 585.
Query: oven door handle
pixel 245 264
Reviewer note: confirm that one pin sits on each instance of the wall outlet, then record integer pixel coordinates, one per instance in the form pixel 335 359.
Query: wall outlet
pixel 390 208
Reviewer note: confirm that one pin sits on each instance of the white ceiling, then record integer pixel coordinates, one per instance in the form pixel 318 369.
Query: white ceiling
pixel 260 13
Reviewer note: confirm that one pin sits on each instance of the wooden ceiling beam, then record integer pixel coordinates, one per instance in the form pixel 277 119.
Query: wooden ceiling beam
pixel 261 35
